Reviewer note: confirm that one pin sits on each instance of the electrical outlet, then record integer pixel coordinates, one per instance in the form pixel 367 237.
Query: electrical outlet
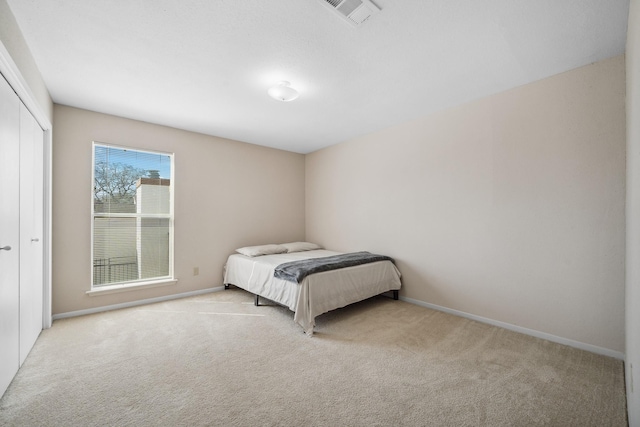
pixel 196 271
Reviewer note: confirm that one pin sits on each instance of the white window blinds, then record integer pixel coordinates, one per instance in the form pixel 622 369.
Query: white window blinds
pixel 132 213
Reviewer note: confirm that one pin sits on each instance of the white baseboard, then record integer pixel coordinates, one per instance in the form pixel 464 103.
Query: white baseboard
pixel 135 303
pixel 549 337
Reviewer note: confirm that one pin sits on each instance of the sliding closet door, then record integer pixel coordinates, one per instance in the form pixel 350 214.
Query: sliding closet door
pixel 9 234
pixel 31 225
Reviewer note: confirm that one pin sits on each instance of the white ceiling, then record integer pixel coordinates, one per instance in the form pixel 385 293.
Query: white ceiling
pixel 205 65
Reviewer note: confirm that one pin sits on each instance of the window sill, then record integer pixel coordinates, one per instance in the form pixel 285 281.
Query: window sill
pixel 103 290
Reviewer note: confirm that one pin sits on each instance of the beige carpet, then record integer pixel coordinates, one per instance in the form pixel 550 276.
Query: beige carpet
pixel 218 360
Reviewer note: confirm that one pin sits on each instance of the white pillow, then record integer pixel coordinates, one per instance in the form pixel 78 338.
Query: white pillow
pixel 261 250
pixel 301 246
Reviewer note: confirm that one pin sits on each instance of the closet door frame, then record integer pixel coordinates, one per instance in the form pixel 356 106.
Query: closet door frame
pixel 12 74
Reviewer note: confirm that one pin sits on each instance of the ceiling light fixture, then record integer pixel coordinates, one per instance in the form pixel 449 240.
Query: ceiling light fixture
pixel 283 92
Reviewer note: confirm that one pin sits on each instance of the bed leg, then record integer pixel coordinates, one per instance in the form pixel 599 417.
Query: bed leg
pixel 257 302
pixel 395 294
pixel 226 286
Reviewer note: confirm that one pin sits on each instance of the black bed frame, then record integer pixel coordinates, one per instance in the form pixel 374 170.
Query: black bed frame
pixel 257 300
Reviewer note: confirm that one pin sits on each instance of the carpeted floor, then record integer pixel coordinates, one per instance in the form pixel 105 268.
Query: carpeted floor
pixel 218 360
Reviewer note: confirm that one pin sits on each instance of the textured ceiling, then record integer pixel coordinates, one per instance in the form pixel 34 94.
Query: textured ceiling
pixel 205 65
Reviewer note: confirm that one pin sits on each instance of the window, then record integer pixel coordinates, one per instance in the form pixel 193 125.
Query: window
pixel 132 212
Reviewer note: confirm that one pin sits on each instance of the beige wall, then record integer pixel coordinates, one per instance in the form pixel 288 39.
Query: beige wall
pixel 228 194
pixel 12 39
pixel 509 208
pixel 632 359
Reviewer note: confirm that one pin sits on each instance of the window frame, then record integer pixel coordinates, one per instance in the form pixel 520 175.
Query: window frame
pixel 140 283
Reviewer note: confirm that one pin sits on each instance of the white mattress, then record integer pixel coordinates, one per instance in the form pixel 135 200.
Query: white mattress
pixel 318 293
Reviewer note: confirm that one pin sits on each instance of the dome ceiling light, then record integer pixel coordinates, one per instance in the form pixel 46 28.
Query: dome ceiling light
pixel 283 92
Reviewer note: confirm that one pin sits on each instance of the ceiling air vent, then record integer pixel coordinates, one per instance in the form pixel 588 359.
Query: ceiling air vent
pixel 355 12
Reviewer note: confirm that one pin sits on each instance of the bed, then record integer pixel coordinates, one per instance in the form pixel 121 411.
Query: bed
pixel 253 268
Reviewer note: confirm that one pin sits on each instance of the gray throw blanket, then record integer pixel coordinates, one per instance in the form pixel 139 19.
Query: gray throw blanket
pixel 296 271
